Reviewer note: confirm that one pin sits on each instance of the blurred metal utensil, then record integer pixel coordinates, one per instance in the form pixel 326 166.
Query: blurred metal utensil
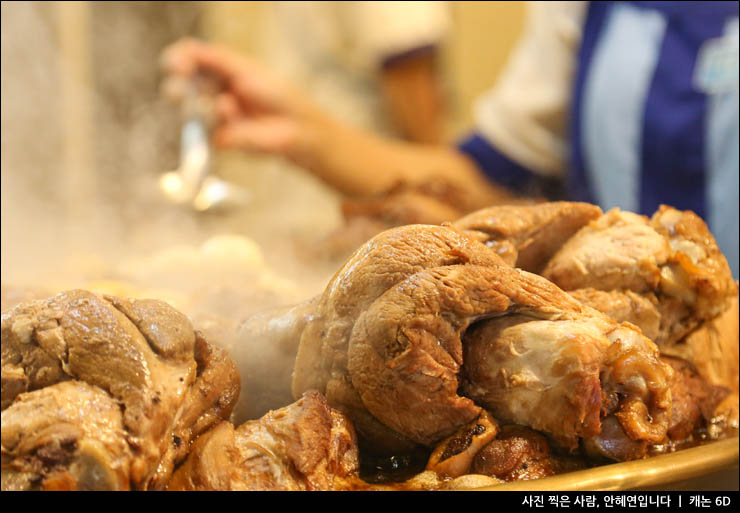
pixel 191 184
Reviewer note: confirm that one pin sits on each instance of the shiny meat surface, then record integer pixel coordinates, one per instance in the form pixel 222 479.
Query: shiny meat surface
pixel 619 250
pixel 562 376
pixel 520 453
pixel 672 258
pixel 427 339
pixel 209 401
pixel 697 272
pixel 406 352
pixel 713 349
pixel 78 443
pixel 613 443
pixel 382 262
pixel 544 374
pixel 167 383
pixel 528 235
pixel 386 346
pixel 725 419
pixel 303 446
pixel 454 455
pixel 624 306
pixel 306 446
pixel 694 400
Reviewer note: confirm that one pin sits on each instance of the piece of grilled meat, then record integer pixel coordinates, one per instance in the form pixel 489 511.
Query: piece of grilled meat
pixel 105 393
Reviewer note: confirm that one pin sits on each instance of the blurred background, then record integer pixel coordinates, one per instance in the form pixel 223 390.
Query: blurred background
pixel 86 133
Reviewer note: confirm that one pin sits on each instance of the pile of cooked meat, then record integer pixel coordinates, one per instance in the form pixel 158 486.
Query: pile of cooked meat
pixel 102 393
pixel 518 342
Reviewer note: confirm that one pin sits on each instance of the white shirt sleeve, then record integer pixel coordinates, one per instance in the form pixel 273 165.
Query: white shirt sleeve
pixel 525 115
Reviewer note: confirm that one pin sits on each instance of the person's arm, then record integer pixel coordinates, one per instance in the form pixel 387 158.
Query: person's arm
pixel 259 112
pixel 358 163
pixel 410 85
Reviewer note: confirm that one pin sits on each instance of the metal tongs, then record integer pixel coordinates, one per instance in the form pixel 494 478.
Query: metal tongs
pixel 192 184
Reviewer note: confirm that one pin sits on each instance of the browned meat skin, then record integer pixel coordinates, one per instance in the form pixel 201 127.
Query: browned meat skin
pixel 518 454
pixel 725 421
pixel 78 334
pixel 633 372
pixel 143 354
pixel 624 306
pixel 713 349
pixel 694 400
pixel 614 444
pixel 385 346
pixel 27 365
pixel 405 352
pixel 672 257
pixel 454 455
pixel 670 261
pixel 544 374
pixel 630 424
pixel 78 443
pixel 385 260
pixel 208 402
pixel 303 446
pixel 698 269
pixel 14 382
pixel 561 376
pixel 619 250
pixel 696 406
pixel 712 345
pixel 528 235
pixel 210 463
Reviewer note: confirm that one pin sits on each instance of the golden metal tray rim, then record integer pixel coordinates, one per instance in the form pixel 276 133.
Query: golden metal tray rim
pixel 650 472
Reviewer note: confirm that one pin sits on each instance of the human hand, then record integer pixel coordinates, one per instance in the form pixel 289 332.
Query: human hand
pixel 257 111
pixel 254 109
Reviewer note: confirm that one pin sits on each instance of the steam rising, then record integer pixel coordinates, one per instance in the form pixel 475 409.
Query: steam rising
pixel 73 210
pixel 86 136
